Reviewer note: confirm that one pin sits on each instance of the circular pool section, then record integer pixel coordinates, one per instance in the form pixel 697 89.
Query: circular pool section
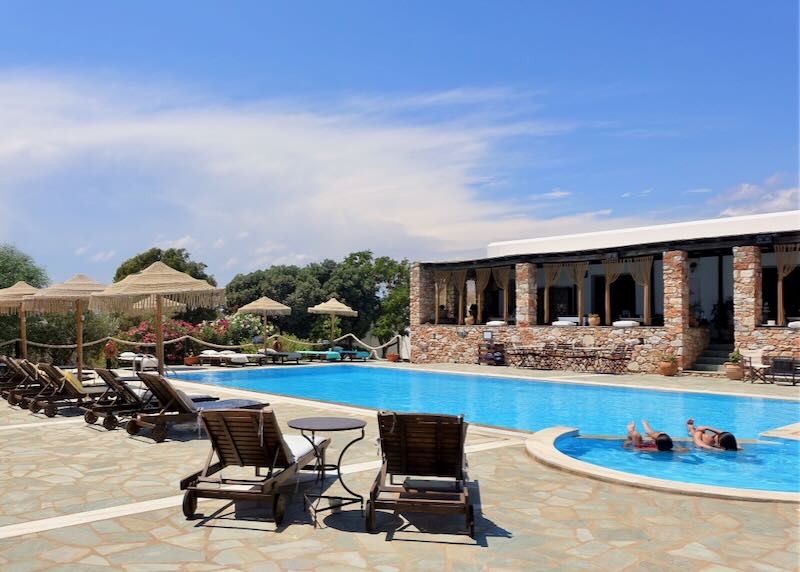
pixel 764 466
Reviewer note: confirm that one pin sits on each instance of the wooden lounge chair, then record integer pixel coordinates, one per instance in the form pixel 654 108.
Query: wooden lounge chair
pixel 422 445
pixel 16 378
pixel 785 369
pixel 175 407
pixel 36 384
pixel 249 438
pixel 68 392
pixel 123 400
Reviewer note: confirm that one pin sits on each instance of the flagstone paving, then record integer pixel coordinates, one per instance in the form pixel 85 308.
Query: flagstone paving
pixel 531 517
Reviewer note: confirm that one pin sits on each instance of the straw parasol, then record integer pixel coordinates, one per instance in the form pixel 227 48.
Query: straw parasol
pixel 11 303
pixel 61 298
pixel 333 308
pixel 151 290
pixel 267 307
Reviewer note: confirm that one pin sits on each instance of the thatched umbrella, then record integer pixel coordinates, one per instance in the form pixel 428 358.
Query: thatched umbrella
pixel 73 294
pixel 150 290
pixel 333 308
pixel 11 303
pixel 267 307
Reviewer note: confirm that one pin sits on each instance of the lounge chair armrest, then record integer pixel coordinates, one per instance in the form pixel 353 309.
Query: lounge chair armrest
pixel 193 478
pixel 380 480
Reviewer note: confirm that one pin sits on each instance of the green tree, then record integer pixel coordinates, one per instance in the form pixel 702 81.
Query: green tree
pixel 393 291
pixel 17 266
pixel 179 259
pixel 58 329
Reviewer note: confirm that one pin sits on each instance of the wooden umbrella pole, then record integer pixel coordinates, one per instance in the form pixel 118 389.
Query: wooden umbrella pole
pixel 160 333
pixel 333 328
pixel 79 336
pixel 23 333
pixel 265 333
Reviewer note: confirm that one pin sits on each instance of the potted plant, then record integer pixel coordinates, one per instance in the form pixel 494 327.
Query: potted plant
pixel 594 319
pixel 393 357
pixel 668 365
pixel 733 367
pixel 191 360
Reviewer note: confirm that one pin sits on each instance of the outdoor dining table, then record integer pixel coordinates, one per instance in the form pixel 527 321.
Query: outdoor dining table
pixel 309 427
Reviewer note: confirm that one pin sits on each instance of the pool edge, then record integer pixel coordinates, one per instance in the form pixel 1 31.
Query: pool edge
pixel 541 447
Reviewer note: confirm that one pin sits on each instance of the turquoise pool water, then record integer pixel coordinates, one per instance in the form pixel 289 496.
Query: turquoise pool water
pixel 531 405
pixel 769 466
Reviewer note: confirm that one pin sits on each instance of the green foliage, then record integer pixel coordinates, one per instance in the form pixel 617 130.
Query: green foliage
pixel 16 266
pixel 243 327
pixel 735 356
pixel 375 287
pixel 60 329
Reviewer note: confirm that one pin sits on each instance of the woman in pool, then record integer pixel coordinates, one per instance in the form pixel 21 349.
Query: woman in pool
pixel 711 438
pixel 659 441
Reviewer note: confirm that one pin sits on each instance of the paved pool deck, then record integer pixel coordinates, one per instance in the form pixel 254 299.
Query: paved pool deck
pixel 77 497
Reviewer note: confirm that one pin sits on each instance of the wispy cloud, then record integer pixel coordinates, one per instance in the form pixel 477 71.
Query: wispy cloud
pixel 81 250
pixel 103 256
pixel 698 191
pixel 556 193
pixel 754 198
pixel 639 194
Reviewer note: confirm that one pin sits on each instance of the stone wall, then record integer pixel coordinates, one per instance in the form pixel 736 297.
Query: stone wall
pixel 421 294
pixel 676 304
pixel 459 344
pixel 526 294
pixel 695 341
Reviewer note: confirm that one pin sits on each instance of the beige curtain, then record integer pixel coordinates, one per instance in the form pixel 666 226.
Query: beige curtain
pixel 459 279
pixel 551 274
pixel 641 270
pixel 441 278
pixel 502 274
pixel 577 272
pixel 482 276
pixel 787 258
pixel 613 270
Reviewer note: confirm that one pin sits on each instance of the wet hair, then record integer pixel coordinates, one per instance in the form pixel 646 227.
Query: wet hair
pixel 727 441
pixel 664 442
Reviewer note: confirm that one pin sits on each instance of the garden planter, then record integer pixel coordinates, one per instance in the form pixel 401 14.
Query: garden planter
pixel 734 370
pixel 191 360
pixel 594 320
pixel 393 357
pixel 668 368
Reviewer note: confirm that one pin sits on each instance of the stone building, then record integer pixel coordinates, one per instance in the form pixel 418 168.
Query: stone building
pixel 678 288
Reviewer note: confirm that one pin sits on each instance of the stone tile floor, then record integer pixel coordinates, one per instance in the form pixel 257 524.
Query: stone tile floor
pixel 77 497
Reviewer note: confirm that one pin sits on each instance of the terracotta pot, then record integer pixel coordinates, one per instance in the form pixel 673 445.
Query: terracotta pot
pixel 668 368
pixel 594 320
pixel 734 370
pixel 393 357
pixel 191 360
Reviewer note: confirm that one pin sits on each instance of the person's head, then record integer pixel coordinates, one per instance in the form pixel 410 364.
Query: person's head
pixel 727 441
pixel 664 442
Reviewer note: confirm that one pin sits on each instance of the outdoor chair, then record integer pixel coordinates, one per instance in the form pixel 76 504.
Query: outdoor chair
pixel 175 407
pixel 754 366
pixel 280 357
pixel 35 384
pixel 416 447
pixel 786 370
pixel 615 360
pixel 68 392
pixel 123 400
pixel 249 438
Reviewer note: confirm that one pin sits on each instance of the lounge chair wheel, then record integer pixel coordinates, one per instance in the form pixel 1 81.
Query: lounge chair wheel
pixel 90 417
pixel 34 406
pixel 189 504
pixel 23 403
pixel 370 520
pixel 278 507
pixel 159 433
pixel 110 422
pixel 12 399
pixel 132 427
pixel 51 410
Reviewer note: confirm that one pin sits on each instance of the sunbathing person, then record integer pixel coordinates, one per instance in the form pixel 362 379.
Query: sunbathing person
pixel 710 438
pixel 659 441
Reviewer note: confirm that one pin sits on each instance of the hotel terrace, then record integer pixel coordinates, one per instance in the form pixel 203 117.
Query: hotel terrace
pixel 672 288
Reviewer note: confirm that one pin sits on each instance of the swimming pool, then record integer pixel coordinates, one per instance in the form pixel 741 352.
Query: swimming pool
pixel 768 466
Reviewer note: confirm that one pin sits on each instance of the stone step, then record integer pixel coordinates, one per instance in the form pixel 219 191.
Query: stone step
pixel 708 367
pixel 704 373
pixel 709 360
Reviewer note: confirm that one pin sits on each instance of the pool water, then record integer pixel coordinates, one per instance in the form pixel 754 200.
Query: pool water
pixel 523 404
pixel 769 466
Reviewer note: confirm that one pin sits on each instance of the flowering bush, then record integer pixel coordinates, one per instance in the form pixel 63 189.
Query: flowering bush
pixel 145 333
pixel 243 327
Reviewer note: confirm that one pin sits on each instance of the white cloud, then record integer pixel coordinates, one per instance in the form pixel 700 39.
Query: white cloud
pixel 628 195
pixel 169 169
pixel 767 202
pixel 81 250
pixel 556 193
pixel 698 191
pixel 103 256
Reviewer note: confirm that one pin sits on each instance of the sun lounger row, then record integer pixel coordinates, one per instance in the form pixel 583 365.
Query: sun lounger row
pixel 231 358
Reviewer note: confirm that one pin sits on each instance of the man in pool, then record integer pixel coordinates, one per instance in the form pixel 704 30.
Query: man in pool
pixel 710 438
pixel 659 441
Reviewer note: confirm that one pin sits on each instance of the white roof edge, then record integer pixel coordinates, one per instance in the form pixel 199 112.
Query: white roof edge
pixel 786 221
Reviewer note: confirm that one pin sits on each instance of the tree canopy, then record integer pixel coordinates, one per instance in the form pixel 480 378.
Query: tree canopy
pixel 177 258
pixel 376 287
pixel 16 265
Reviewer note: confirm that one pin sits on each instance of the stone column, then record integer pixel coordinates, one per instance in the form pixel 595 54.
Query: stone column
pixel 746 291
pixel 676 299
pixel 421 295
pixel 526 294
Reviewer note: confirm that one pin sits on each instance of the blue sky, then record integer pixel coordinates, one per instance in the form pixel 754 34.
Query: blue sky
pixel 255 133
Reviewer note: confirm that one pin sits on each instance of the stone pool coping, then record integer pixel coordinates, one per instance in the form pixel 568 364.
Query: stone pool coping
pixel 542 447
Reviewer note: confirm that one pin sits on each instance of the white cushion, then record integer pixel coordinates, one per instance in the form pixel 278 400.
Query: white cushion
pixel 127 355
pixel 568 319
pixel 564 323
pixel 146 362
pixel 209 353
pixel 298 446
pixel 625 324
pixel 496 323
pixel 227 352
pixel 794 325
pixel 236 358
